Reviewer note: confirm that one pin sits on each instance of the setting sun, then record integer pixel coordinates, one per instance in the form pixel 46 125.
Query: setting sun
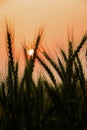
pixel 30 52
pixel 43 64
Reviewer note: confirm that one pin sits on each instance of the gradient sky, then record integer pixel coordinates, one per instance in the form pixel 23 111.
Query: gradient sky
pixel 55 15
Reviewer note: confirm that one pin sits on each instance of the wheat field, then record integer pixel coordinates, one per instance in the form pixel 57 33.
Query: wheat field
pixel 26 105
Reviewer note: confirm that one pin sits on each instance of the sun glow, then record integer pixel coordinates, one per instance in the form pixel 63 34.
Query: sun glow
pixel 31 52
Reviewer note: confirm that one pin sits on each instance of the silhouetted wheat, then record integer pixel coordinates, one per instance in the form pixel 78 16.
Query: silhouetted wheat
pixel 71 74
pixel 53 64
pixel 27 105
pixel 84 39
pixel 48 70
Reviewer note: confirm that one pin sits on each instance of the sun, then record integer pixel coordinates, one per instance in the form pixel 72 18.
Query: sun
pixel 31 52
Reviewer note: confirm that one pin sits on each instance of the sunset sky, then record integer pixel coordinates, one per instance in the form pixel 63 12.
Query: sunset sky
pixel 55 15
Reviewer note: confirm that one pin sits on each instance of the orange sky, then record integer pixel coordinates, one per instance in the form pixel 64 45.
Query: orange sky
pixel 55 15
